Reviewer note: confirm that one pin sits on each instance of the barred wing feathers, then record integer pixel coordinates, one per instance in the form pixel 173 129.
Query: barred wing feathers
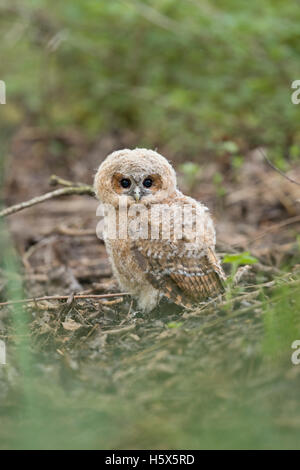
pixel 182 273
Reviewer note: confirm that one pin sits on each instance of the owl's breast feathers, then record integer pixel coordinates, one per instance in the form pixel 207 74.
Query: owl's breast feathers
pixel 185 270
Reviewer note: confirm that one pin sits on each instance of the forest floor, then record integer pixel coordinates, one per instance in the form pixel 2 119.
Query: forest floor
pixel 97 373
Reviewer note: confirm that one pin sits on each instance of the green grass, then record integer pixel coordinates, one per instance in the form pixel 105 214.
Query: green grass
pixel 212 378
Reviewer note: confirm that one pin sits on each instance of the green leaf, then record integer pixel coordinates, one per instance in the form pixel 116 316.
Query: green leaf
pixel 240 258
pixel 174 324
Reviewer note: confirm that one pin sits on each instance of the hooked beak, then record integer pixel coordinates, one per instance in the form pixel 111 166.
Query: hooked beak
pixel 137 194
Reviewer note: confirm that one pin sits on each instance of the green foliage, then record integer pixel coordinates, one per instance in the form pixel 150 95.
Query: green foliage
pixel 218 180
pixel 175 324
pixel 227 147
pixel 184 73
pixel 9 264
pixel 281 321
pixel 191 172
pixel 237 162
pixel 236 260
pixel 240 259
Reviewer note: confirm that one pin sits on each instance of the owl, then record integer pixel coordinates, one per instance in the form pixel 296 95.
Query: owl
pixel 161 243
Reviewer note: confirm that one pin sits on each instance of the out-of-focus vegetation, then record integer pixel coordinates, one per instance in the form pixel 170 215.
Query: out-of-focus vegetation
pixel 207 82
pixel 190 74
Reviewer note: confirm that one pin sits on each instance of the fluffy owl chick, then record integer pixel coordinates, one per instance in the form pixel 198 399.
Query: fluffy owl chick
pixel 160 242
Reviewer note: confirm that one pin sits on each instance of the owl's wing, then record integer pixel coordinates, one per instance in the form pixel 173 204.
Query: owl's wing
pixel 184 272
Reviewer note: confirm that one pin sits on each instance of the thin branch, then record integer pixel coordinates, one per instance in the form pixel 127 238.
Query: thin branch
pixel 62 297
pixel 81 190
pixel 55 180
pixel 277 169
pixel 275 227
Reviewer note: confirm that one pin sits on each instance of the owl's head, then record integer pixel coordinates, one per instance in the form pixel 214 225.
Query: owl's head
pixel 141 176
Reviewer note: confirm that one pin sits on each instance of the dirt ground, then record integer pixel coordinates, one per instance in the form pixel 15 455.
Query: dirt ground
pixel 258 210
pixel 101 367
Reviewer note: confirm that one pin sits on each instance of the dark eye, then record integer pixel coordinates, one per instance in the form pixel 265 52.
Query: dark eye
pixel 125 183
pixel 148 182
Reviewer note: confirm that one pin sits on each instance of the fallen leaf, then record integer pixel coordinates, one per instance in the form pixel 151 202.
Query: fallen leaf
pixel 71 325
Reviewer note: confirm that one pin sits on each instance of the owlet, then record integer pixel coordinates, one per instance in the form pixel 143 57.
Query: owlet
pixel 160 242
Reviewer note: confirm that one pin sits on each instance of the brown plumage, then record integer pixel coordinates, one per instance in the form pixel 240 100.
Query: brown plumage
pixel 184 270
pixel 178 263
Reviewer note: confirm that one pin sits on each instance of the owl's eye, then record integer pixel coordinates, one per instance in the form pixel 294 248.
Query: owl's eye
pixel 125 183
pixel 148 182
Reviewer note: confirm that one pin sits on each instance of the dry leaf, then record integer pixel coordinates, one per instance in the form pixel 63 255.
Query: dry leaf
pixel 71 325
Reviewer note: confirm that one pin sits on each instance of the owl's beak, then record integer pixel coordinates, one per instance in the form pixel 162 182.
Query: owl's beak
pixel 137 194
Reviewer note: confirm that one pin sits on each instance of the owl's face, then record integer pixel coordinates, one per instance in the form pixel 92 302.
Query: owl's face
pixel 141 176
pixel 136 185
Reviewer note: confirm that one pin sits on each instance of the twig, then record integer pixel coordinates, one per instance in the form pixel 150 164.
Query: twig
pixel 55 180
pixel 62 297
pixel 74 232
pixel 273 228
pixel 80 190
pixel 277 169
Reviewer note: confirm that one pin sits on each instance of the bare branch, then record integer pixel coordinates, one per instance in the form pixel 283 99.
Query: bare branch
pixel 275 227
pixel 55 180
pixel 70 190
pixel 62 297
pixel 277 169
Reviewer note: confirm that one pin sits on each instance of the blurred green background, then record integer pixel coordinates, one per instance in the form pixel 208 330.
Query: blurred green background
pixel 189 74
